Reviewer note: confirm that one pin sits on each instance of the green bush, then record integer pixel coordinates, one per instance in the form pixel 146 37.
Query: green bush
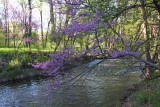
pixel 142 97
pixel 10 73
pixel 26 58
pixel 14 62
pixel 40 57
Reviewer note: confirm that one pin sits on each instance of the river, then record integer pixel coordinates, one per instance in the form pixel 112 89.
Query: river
pixel 103 86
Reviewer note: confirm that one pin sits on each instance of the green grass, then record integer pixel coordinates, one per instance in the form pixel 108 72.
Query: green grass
pixel 12 50
pixel 148 94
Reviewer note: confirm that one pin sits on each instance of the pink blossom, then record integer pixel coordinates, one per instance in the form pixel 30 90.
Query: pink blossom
pixel 116 54
pixel 26 40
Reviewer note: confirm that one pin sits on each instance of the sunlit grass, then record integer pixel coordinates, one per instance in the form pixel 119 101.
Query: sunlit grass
pixel 12 50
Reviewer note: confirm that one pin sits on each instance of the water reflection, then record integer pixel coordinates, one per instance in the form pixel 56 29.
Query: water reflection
pixel 98 89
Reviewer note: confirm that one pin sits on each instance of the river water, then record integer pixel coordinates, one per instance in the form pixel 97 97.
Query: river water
pixel 103 86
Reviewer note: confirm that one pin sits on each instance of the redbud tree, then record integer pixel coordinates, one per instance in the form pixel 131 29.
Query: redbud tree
pixel 86 18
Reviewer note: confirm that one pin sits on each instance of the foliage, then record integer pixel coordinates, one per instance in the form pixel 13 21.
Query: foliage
pixel 148 94
pixel 13 63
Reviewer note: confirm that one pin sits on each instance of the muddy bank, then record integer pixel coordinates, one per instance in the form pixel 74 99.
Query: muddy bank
pixel 128 98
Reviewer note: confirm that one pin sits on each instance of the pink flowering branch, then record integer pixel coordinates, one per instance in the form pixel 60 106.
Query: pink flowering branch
pixel 56 62
pixel 70 29
pixel 116 54
pixel 26 40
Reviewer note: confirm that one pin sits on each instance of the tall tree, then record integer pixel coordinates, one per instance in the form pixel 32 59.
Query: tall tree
pixel 6 24
pixel 30 21
pixel 40 5
pixel 52 17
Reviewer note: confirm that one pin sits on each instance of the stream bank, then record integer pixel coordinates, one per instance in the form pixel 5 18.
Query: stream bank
pixel 25 71
pixel 144 94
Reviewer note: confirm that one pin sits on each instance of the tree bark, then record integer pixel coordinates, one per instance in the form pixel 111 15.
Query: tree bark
pixel 43 45
pixel 52 18
pixel 46 39
pixel 30 21
pixel 146 38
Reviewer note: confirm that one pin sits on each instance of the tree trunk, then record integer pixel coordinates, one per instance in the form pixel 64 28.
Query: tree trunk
pixel 87 45
pixel 46 39
pixel 42 28
pixel 8 35
pixel 14 34
pixel 146 37
pixel 6 28
pixel 30 22
pixel 52 18
pixel 155 27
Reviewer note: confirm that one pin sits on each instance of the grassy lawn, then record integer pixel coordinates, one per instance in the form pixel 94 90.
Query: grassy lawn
pixel 12 50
